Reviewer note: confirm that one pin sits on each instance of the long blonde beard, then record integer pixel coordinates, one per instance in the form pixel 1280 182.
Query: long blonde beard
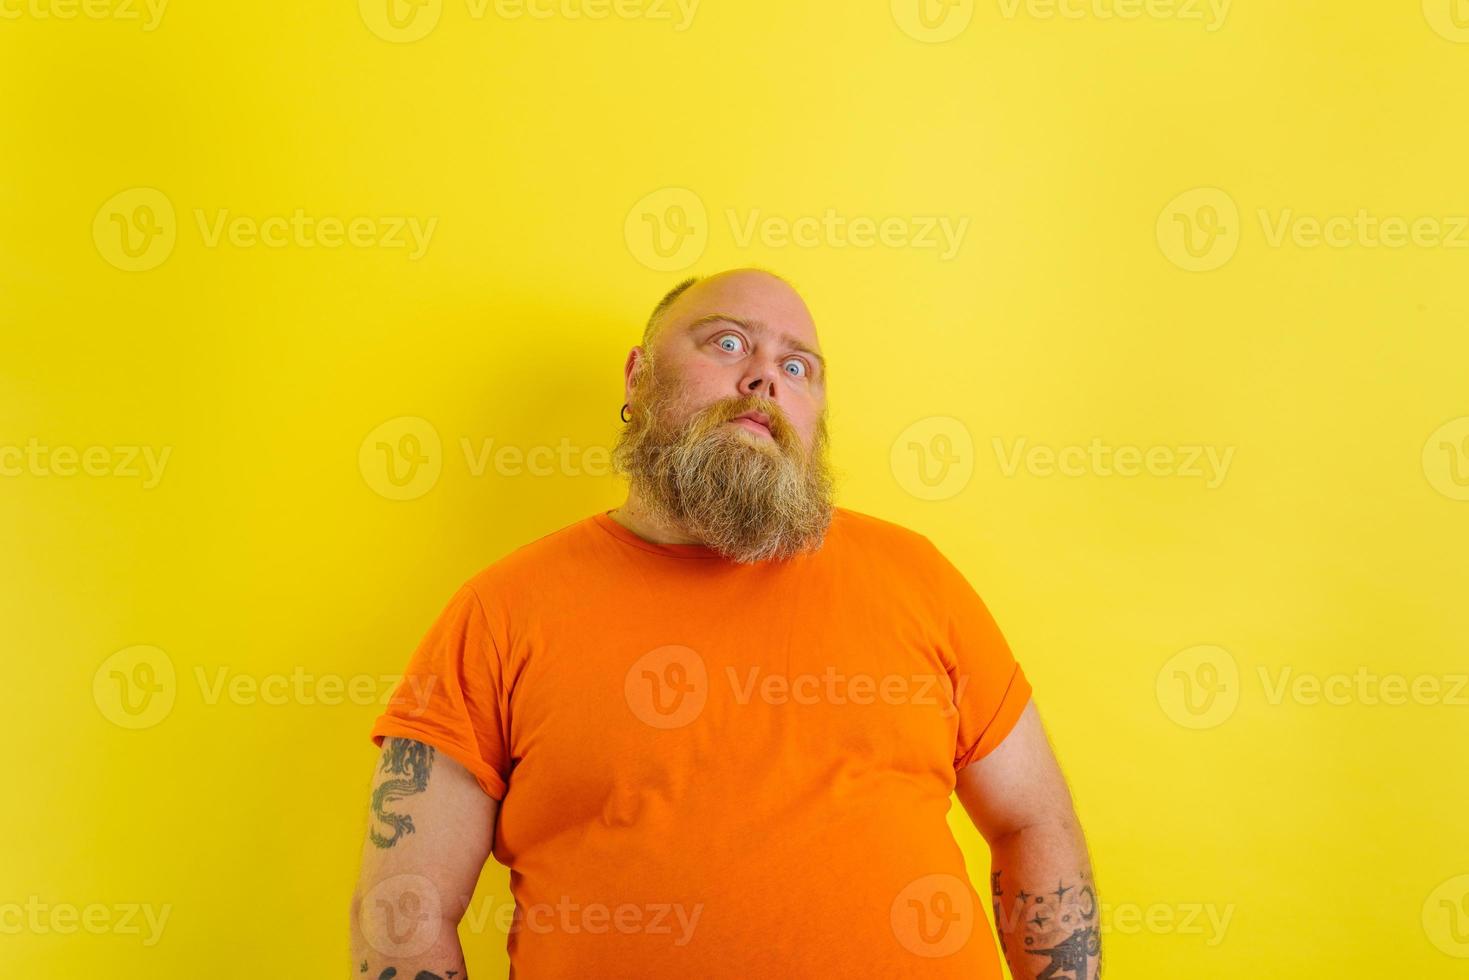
pixel 745 497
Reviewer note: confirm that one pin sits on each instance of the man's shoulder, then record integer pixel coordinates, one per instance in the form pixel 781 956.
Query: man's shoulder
pixel 868 530
pixel 543 560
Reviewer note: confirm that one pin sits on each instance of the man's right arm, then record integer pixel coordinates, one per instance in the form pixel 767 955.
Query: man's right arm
pixel 429 834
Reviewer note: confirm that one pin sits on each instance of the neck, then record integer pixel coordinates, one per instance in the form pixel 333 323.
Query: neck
pixel 636 517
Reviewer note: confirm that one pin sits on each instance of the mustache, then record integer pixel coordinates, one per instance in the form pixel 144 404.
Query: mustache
pixel 717 414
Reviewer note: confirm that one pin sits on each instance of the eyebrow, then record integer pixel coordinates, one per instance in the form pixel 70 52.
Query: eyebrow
pixel 758 327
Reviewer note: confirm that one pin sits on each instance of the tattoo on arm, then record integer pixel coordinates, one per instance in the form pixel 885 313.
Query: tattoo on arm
pixel 391 973
pixel 1060 924
pixel 999 923
pixel 411 762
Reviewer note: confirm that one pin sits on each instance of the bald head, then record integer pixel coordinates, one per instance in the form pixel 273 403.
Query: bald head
pixel 747 294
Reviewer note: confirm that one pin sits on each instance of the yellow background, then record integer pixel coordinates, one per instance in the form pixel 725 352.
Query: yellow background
pixel 1331 834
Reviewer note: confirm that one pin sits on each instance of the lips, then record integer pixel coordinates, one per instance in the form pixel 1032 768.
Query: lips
pixel 753 420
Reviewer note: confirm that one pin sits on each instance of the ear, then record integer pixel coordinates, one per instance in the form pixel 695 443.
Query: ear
pixel 630 371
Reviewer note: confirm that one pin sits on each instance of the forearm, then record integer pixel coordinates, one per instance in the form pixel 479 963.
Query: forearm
pixel 429 833
pixel 391 944
pixel 1045 903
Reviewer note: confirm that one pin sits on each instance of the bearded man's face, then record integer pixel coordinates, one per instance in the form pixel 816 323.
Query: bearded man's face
pixel 750 489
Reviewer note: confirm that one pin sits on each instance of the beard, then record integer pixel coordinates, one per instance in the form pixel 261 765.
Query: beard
pixel 746 497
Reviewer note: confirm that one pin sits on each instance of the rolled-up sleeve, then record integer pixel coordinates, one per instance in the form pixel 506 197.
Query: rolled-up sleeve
pixel 990 688
pixel 452 694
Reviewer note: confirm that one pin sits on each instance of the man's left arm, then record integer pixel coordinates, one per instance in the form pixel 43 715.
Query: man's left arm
pixel 1045 898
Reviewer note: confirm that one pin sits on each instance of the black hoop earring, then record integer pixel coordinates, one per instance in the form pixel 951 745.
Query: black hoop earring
pixel 623 414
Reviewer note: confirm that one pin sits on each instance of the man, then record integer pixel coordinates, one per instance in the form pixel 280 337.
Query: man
pixel 715 732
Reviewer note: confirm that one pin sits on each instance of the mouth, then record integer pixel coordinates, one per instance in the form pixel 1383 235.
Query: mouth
pixel 757 422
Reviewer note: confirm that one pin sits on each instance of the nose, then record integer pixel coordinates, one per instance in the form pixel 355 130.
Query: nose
pixel 759 382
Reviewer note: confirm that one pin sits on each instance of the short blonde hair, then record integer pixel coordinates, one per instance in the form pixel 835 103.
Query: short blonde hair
pixel 651 330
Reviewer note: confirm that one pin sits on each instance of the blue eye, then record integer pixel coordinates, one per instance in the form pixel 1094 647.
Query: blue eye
pixel 800 364
pixel 731 338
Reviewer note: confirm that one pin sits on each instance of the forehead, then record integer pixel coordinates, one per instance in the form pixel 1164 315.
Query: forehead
pixel 756 300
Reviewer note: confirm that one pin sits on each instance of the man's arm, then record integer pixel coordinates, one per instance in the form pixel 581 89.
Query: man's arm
pixel 429 833
pixel 1045 898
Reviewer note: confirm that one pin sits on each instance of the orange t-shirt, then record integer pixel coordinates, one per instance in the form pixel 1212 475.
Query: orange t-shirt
pixel 708 769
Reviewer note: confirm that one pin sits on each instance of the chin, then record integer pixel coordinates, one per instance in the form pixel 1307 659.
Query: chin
pixel 759 443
